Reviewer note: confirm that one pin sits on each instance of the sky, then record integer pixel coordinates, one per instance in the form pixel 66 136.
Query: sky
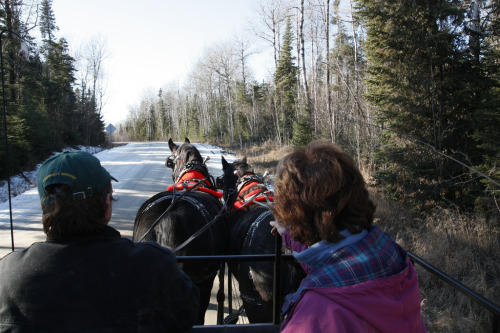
pixel 150 43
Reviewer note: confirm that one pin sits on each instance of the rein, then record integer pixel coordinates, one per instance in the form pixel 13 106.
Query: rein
pixel 174 200
pixel 201 230
pixel 191 178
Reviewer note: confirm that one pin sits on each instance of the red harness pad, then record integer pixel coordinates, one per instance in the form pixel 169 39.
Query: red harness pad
pixel 264 196
pixel 189 177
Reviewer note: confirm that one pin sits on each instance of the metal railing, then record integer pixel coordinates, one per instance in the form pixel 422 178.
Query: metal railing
pixel 278 257
pixel 482 301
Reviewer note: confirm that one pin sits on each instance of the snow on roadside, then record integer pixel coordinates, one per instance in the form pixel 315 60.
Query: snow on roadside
pixel 20 184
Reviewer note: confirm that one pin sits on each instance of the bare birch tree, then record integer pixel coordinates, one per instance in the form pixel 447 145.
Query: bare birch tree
pixel 94 54
pixel 222 60
pixel 302 57
pixel 273 15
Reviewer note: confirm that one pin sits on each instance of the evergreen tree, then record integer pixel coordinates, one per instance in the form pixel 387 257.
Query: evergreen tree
pixel 302 132
pixel 43 113
pixel 151 123
pixel 48 28
pixel 87 122
pixel 47 21
pixel 487 117
pixel 285 79
pixel 163 121
pixel 36 130
pixel 422 85
pixel 59 95
pixel 60 100
pixel 13 152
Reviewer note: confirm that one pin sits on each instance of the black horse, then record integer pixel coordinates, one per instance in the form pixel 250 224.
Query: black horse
pixel 250 233
pixel 181 212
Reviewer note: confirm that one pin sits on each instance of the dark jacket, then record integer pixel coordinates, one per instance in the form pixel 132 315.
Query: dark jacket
pixel 102 283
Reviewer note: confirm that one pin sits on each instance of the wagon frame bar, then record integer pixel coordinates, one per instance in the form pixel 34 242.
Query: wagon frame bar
pixel 277 257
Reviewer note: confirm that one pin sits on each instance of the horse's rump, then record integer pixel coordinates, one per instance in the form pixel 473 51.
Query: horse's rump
pixel 182 217
pixel 250 233
pixel 191 212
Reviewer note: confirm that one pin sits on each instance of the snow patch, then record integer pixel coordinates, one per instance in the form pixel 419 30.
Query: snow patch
pixel 21 183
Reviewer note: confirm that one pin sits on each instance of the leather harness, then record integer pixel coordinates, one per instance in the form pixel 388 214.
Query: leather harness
pixel 192 175
pixel 251 189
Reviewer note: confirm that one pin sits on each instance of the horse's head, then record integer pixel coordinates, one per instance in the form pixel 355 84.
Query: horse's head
pixel 232 173
pixel 182 158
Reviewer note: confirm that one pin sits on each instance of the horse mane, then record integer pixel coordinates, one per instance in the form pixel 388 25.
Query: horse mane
pixel 191 167
pixel 186 151
pixel 242 167
pixel 190 153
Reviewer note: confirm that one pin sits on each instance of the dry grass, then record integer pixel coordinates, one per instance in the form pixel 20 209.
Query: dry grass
pixel 466 248
pixel 263 157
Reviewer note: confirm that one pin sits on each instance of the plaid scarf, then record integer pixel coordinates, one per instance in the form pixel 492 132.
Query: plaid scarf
pixel 374 256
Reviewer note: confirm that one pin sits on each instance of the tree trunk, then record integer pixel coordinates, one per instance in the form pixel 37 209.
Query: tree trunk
pixel 327 81
pixel 303 59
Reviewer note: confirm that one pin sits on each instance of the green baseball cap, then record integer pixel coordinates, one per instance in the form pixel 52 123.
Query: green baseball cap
pixel 78 169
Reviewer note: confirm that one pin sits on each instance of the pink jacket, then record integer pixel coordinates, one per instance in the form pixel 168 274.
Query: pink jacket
pixel 388 304
pixel 290 244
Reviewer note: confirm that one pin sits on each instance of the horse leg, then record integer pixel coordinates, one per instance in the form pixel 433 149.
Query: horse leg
pixel 258 311
pixel 257 308
pixel 205 295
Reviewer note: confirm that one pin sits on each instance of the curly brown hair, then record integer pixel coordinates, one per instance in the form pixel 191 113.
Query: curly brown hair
pixel 319 191
pixel 63 217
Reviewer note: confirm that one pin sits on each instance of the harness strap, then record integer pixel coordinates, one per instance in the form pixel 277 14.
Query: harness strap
pixel 191 200
pixel 202 230
pixel 202 189
pixel 232 318
pixel 258 195
pixel 246 180
pixel 255 225
pixel 173 197
pixel 193 178
pixel 247 186
pixel 191 175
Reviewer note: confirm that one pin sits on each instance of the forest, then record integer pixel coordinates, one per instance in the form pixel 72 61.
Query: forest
pixel 49 102
pixel 409 88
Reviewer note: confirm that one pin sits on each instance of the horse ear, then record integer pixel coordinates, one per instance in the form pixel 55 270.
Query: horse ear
pixel 244 160
pixel 225 164
pixel 186 140
pixel 173 147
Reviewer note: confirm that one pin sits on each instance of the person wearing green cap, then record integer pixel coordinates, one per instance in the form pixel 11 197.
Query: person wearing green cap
pixel 85 277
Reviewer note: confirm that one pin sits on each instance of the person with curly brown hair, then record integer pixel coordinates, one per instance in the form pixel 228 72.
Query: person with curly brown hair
pixel 359 279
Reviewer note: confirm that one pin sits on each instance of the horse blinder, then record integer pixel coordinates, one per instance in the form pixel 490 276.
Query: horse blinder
pixel 169 162
pixel 220 183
